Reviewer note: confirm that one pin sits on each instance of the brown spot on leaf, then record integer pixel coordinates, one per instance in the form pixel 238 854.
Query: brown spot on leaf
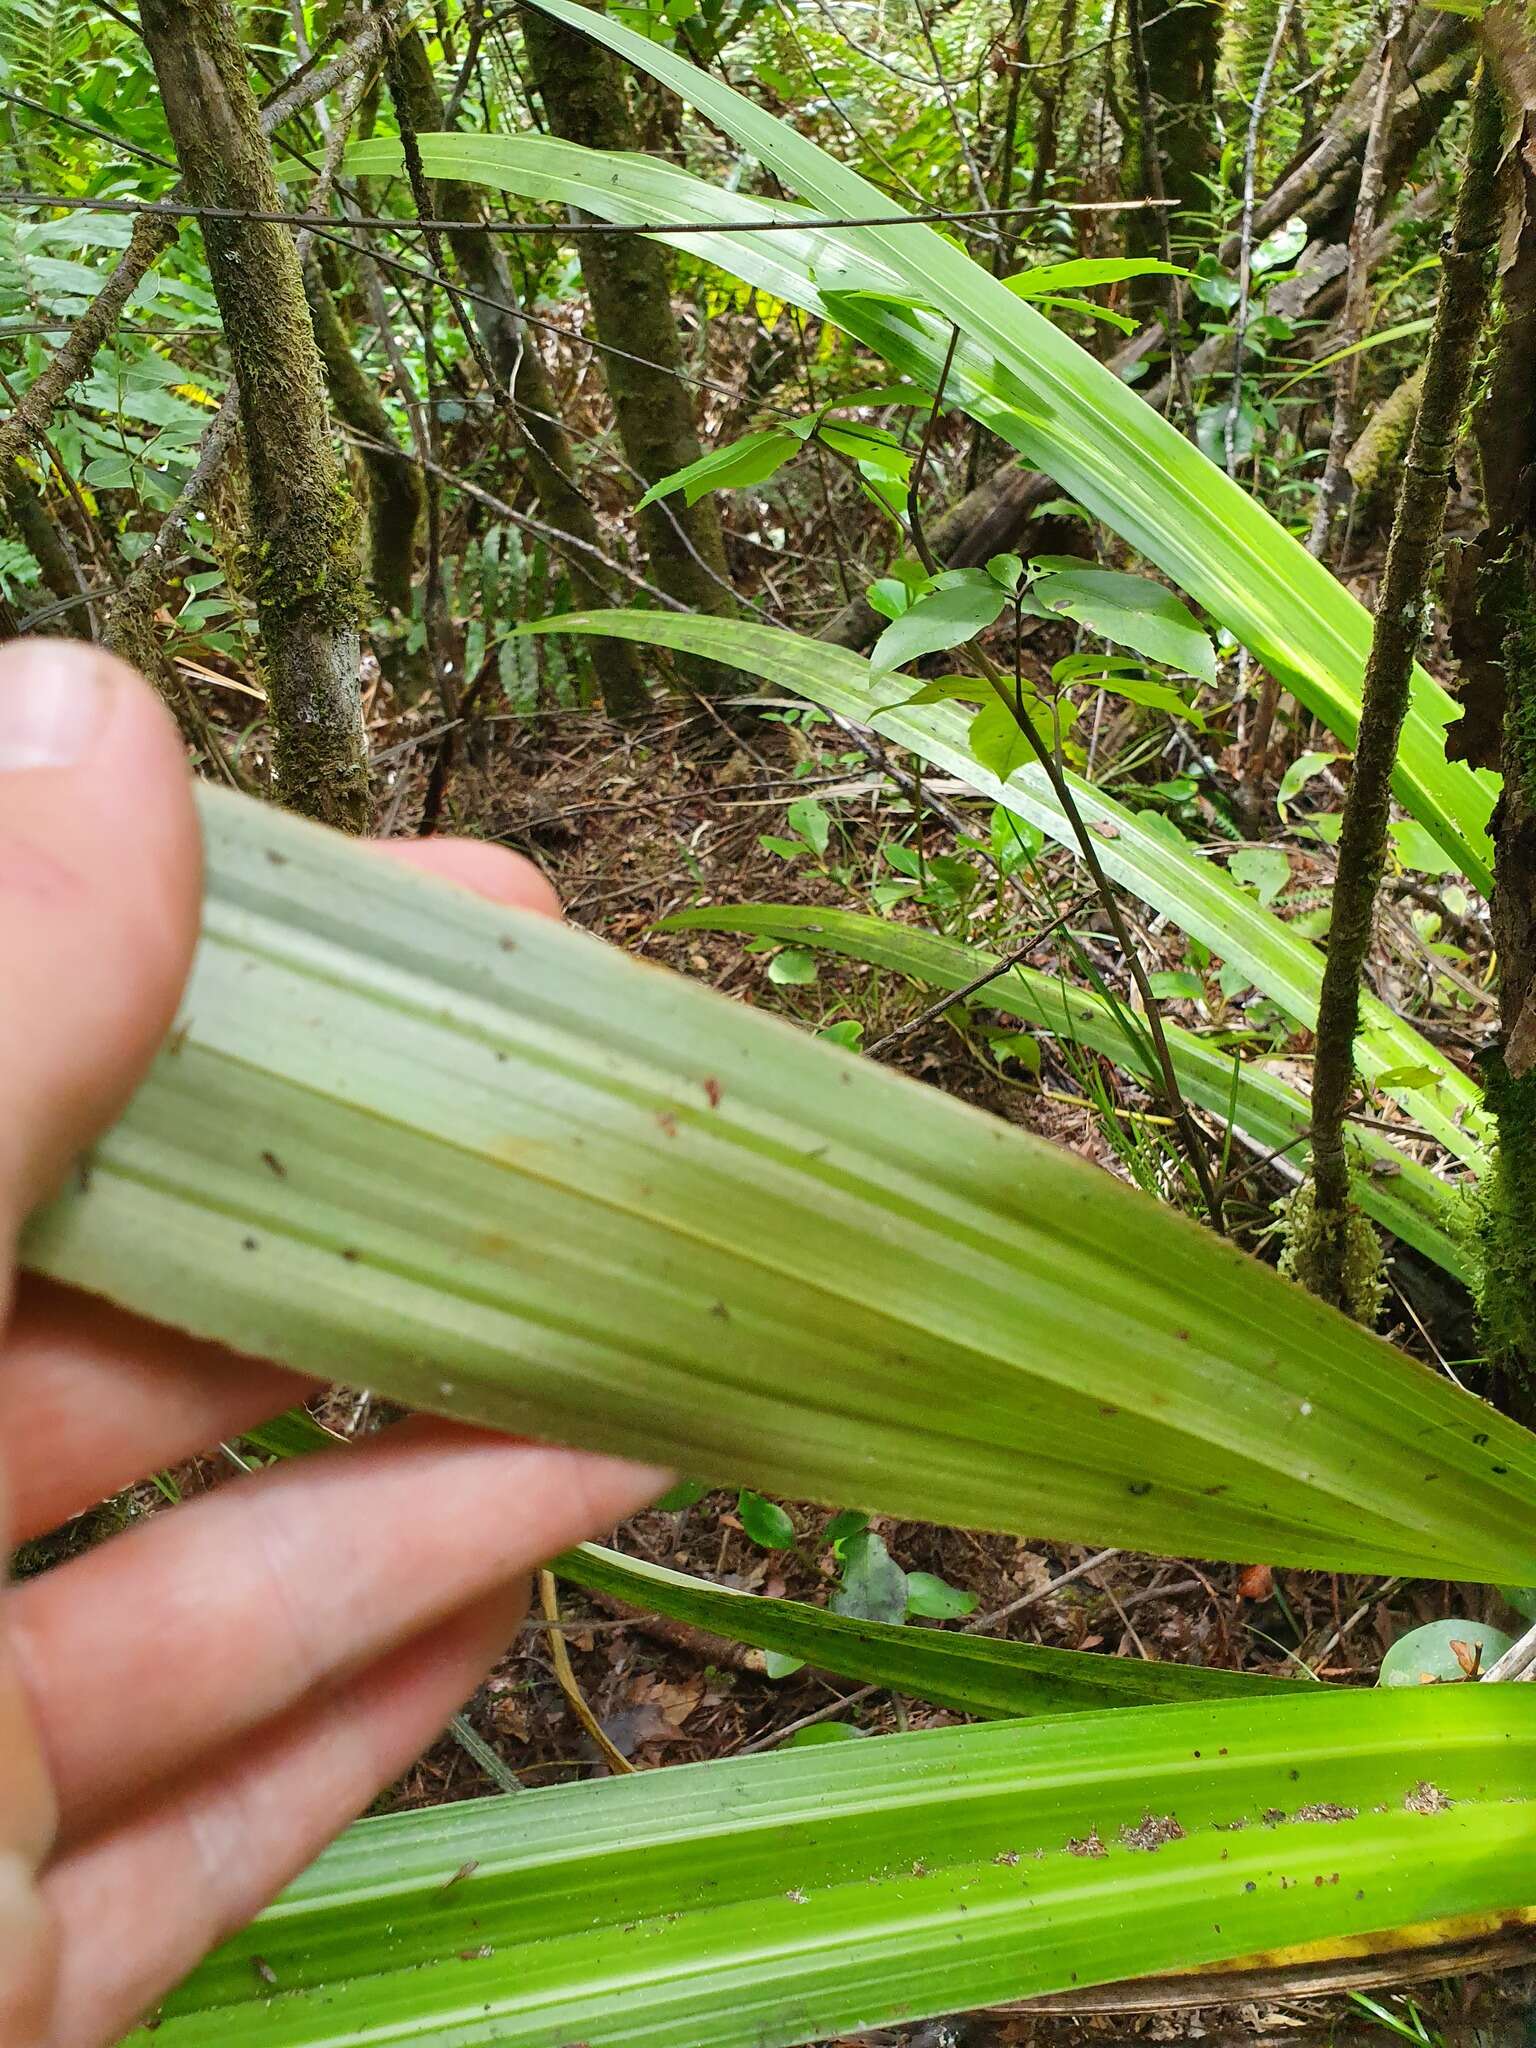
pixel 1152 1831
pixel 1427 1798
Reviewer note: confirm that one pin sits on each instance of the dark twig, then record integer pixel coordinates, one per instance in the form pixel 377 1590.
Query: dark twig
pixel 118 142
pixel 993 973
pixel 920 466
pixel 1055 774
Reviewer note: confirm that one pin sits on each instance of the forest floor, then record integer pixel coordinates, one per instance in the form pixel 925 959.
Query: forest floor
pixel 633 828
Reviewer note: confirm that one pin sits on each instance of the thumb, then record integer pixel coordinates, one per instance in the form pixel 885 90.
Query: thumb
pixel 100 881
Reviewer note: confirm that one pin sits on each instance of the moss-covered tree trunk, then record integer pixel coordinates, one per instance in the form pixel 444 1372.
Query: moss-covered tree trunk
pixel 629 283
pixel 1173 145
pixel 520 368
pixel 1494 633
pixel 396 493
pixel 1331 1243
pixel 305 567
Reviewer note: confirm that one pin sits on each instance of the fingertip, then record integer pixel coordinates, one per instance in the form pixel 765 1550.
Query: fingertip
pixel 100 888
pixel 495 872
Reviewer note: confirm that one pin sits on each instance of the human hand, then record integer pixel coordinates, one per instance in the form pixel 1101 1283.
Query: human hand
pixel 190 1711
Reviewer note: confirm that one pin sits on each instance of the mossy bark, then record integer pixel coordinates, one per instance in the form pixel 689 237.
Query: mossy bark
pixel 1182 48
pixel 1373 461
pixel 1467 268
pixel 1494 626
pixel 521 369
pixel 396 493
pixel 305 557
pixel 629 283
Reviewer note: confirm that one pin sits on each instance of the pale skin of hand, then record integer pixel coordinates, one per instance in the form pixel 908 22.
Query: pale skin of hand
pixel 191 1711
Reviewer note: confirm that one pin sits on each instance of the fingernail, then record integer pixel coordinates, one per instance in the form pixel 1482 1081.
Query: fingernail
pixel 53 703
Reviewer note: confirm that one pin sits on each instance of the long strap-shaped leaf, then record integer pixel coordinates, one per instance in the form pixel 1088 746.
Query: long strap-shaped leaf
pixel 1159 867
pixel 494 1167
pixel 815 268
pixel 1130 467
pixel 836 274
pixel 1400 1193
pixel 983 1675
pixel 782 1899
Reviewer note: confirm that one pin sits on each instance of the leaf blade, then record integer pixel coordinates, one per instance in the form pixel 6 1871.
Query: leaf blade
pixel 894 1878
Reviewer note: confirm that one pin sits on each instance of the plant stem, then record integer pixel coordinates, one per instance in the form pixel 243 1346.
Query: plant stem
pixel 1465 283
pixel 628 280
pixel 1189 1130
pixel 1245 236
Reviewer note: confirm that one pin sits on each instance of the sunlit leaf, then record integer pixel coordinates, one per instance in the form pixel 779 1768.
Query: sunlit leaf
pixel 1133 611
pixel 751 460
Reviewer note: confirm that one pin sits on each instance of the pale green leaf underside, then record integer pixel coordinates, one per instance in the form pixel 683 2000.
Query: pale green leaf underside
pixel 1401 1194
pixel 495 1168
pixel 1197 894
pixel 1033 385
pixel 973 1674
pixel 760 1902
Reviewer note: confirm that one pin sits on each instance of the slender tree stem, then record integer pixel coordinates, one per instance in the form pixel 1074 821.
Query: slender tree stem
pixel 1156 191
pixel 1245 235
pixel 1465 283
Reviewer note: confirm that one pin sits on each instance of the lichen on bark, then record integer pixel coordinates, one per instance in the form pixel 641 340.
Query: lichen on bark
pixel 305 556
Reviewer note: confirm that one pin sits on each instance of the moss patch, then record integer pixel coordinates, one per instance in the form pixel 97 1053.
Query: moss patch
pixel 1504 1227
pixel 1310 1256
